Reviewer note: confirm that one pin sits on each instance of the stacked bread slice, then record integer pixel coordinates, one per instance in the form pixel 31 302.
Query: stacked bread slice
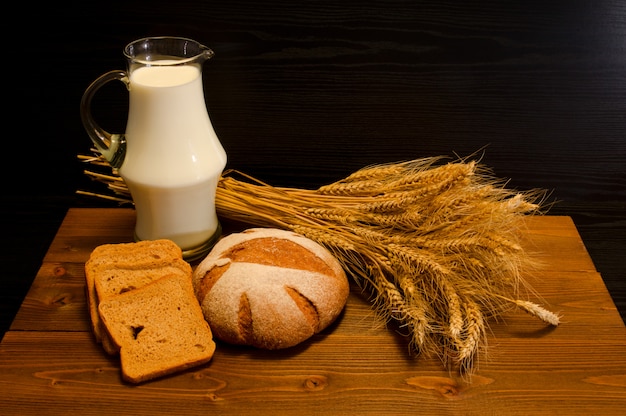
pixel 142 306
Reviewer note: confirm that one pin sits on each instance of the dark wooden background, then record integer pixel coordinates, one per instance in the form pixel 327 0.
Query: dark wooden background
pixel 303 93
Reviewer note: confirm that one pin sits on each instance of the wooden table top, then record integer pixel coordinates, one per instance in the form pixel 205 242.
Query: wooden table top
pixel 50 364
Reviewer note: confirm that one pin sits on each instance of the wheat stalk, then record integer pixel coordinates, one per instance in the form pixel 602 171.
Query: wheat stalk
pixel 436 245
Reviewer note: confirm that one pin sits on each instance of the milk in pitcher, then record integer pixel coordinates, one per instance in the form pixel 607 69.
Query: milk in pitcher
pixel 173 157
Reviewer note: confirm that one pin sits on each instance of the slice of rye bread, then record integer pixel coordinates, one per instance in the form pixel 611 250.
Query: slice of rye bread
pixel 159 329
pixel 115 268
pixel 112 281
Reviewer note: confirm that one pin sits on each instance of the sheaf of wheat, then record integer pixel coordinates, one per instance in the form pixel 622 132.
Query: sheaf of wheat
pixel 435 244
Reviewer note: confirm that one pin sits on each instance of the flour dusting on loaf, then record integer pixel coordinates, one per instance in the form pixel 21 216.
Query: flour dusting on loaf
pixel 269 288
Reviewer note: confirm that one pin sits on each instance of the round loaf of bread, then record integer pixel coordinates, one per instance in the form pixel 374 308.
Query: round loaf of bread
pixel 269 288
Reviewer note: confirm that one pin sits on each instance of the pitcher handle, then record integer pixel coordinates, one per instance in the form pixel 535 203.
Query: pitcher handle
pixel 111 146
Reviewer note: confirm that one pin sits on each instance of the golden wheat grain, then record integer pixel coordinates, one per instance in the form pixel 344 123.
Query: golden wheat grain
pixel 459 201
pixel 393 302
pixel 474 334
pixel 374 172
pixel 365 187
pixel 455 315
pixel 338 215
pixel 416 260
pixel 400 221
pixel 390 203
pixel 415 316
pixel 440 176
pixel 372 236
pixel 538 311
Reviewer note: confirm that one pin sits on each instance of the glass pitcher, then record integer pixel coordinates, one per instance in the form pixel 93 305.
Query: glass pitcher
pixel 169 156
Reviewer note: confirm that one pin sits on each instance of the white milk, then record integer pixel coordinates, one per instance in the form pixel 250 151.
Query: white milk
pixel 173 158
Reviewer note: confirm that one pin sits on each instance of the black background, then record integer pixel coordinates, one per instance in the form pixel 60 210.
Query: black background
pixel 303 93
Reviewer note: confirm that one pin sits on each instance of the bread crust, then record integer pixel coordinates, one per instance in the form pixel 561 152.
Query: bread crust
pixel 116 268
pixel 269 288
pixel 159 328
pixel 142 305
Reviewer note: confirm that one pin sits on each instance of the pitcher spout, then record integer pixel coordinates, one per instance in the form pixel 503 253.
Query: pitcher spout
pixel 207 53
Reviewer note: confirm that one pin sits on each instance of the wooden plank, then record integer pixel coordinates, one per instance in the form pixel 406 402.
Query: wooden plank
pixel 555 242
pixel 49 362
pixel 352 374
pixel 56 300
pixel 85 228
